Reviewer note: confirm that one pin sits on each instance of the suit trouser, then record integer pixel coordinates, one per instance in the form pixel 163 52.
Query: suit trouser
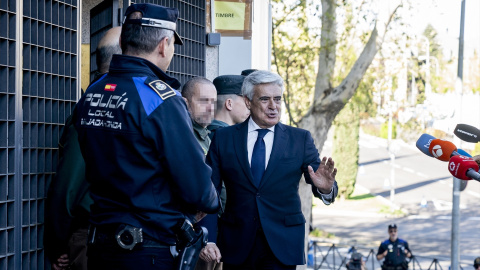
pixel 203 265
pixel 77 249
pixel 260 257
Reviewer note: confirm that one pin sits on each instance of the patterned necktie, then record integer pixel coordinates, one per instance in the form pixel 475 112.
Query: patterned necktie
pixel 258 157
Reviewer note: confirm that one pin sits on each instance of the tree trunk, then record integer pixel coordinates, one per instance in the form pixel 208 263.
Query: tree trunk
pixel 328 101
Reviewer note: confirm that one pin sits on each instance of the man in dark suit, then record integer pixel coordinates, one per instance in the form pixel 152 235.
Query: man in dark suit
pixel 261 162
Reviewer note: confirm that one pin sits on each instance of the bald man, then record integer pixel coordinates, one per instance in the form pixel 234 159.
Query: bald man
pixel 68 200
pixel 107 47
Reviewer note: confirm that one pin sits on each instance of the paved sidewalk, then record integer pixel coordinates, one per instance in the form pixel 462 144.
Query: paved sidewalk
pixel 363 223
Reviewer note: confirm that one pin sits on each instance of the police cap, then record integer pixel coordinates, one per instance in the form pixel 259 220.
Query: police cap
pixel 247 72
pixel 155 16
pixel 229 84
pixel 476 262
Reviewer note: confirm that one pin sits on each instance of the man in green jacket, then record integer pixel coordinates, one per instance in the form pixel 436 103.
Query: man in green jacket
pixel 200 95
pixel 68 200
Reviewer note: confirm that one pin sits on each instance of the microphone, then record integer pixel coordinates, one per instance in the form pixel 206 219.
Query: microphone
pixel 463 152
pixel 423 143
pixel 442 150
pixel 464 168
pixel 467 133
pixel 463 183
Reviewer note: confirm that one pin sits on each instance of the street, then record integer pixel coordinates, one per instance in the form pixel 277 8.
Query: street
pixel 423 189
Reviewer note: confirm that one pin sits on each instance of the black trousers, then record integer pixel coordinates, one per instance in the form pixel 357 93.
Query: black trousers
pixel 102 257
pixel 105 253
pixel 261 257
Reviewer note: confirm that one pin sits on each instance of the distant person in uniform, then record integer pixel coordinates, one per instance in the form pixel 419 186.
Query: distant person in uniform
pixel 476 263
pixel 200 95
pixel 231 108
pixel 68 200
pixel 356 262
pixel 394 250
pixel 145 167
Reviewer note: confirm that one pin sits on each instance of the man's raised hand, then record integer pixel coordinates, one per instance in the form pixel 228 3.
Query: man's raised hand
pixel 324 177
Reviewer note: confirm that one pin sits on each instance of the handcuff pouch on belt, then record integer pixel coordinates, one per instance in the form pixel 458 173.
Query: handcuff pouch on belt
pixel 128 236
pixel 190 241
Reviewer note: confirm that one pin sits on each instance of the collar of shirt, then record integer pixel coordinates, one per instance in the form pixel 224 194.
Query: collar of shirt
pixel 200 131
pixel 122 63
pixel 252 138
pixel 216 124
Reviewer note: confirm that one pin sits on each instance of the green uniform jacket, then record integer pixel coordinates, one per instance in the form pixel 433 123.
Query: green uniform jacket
pixel 68 200
pixel 201 134
pixel 216 124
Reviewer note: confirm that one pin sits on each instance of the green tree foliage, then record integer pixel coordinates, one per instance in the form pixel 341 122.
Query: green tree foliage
pixel 473 81
pixel 346 136
pixel 346 149
pixel 440 79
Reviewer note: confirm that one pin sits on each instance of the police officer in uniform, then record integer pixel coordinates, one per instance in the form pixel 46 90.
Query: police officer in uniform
pixel 146 169
pixel 476 263
pixel 67 206
pixel 394 250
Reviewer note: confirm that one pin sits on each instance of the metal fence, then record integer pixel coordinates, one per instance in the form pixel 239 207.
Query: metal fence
pixel 326 255
pixel 38 87
pixel 39 84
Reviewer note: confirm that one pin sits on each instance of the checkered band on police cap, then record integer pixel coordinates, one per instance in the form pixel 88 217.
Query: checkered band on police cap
pixel 155 16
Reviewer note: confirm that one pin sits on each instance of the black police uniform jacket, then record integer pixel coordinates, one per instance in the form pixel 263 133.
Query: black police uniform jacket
pixel 396 252
pixel 144 164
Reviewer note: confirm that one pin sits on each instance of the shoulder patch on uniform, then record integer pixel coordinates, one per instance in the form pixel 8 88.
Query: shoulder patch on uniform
pixel 162 89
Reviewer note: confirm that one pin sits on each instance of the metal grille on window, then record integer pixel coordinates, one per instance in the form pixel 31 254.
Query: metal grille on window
pixel 7 133
pixel 189 59
pixel 33 108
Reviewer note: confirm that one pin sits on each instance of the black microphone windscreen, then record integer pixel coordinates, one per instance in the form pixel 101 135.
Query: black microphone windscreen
pixel 467 133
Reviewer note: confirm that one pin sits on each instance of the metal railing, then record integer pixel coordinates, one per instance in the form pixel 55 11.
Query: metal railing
pixel 323 255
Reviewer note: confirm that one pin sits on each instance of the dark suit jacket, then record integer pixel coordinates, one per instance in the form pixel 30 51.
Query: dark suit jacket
pixel 275 205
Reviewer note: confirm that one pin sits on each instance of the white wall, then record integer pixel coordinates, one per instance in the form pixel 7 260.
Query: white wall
pixel 237 54
pixel 261 35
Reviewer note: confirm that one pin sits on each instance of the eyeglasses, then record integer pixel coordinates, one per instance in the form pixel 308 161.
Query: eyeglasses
pixel 391 231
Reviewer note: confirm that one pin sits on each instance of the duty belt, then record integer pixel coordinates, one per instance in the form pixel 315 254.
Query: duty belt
pixel 121 235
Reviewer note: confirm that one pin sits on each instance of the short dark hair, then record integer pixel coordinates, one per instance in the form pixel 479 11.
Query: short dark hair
pixel 222 98
pixel 139 39
pixel 104 56
pixel 187 89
